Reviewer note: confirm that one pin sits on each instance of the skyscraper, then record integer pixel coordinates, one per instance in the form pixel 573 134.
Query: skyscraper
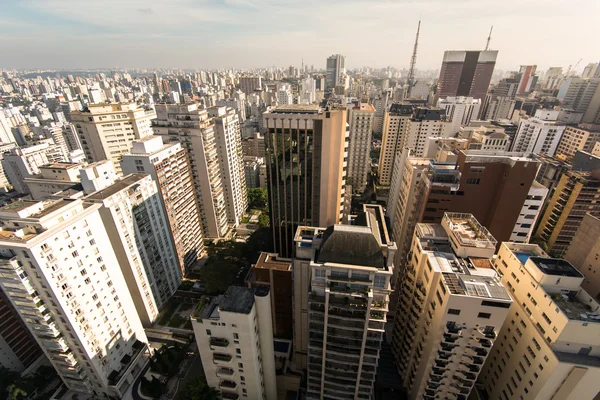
pixel 359 152
pixel 60 272
pixel 169 167
pixel 466 73
pixel 348 295
pixel 334 69
pixel 451 308
pixel 528 78
pixel 306 168
pixel 540 134
pixel 193 128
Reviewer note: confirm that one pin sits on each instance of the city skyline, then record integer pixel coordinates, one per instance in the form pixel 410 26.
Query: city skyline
pixel 240 33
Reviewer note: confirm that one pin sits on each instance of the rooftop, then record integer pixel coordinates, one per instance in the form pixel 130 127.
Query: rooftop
pixel 296 108
pixel 555 266
pixel 468 231
pixel 18 205
pixel 351 245
pixel 364 107
pixel 237 300
pixel 271 261
pixel 116 187
pixel 61 165
pixel 574 308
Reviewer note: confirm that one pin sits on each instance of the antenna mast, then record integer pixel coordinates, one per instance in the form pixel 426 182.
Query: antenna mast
pixel 411 73
pixel 487 45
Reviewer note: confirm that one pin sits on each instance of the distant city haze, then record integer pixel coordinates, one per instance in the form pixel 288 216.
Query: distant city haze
pixel 261 33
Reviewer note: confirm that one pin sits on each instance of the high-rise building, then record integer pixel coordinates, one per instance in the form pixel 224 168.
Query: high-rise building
pixel 254 146
pixel 466 73
pixel 52 178
pixel 231 161
pixel 540 134
pixel 186 124
pixel 334 69
pixel 359 149
pixel 133 215
pixel 407 126
pixel 276 273
pixel 573 197
pixel 18 349
pixel 255 172
pixel 306 168
pixel 106 131
pixel 169 167
pixel 451 308
pixel 348 280
pixel 61 274
pixel 577 94
pixel 582 253
pixel 235 341
pixel 459 111
pixel 582 137
pixel 548 346
pixel 22 163
pixel 528 79
pixel 530 212
pixel 380 103
pixel 248 84
pixel 589 71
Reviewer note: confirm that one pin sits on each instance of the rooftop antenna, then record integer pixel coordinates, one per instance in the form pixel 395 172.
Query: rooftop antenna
pixel 413 60
pixel 487 45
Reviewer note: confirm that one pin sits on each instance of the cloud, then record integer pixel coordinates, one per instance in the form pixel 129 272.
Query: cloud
pixel 146 10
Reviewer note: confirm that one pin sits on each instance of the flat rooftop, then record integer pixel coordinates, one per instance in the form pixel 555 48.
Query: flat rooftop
pixel 364 107
pixel 238 300
pixel 116 187
pixel 574 308
pixel 469 231
pixel 18 205
pixel 555 266
pixel 271 261
pixel 61 165
pixel 296 108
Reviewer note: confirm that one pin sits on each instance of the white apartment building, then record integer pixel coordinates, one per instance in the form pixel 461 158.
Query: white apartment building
pixel 106 131
pixel 60 272
pixel 538 134
pixel 248 84
pixel 52 178
pixel 134 217
pixel 459 111
pixel 451 308
pixel 308 93
pixel 498 107
pixel 234 334
pixel 231 161
pixel 186 124
pixel 549 346
pixel 24 162
pixel 346 272
pixel 530 213
pixel 578 138
pixel 359 148
pixel 284 94
pixel 169 167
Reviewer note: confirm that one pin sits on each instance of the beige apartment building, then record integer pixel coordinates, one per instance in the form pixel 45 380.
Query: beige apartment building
pixel 549 346
pixel 106 131
pixel 169 167
pixel 359 149
pixel 583 254
pixel 451 308
pixel 582 137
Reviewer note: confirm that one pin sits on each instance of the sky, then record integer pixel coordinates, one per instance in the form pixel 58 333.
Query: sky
pixel 210 34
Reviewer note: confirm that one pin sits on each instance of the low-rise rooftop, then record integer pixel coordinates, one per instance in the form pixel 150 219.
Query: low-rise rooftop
pixel 295 109
pixel 237 300
pixel 272 261
pixel 116 187
pixel 555 266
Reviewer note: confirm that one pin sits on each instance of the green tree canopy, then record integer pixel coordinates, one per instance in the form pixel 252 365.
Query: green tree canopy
pixel 258 199
pixel 198 389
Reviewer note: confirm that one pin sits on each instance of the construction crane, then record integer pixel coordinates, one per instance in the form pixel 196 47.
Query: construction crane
pixel 487 45
pixel 574 68
pixel 413 61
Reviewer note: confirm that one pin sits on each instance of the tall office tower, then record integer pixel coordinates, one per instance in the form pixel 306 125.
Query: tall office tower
pixel 186 124
pixel 381 106
pixel 530 212
pixel 276 273
pixel 18 347
pixel 466 73
pixel 407 126
pixel 235 341
pixel 348 294
pixel 248 84
pixel 334 70
pixel 497 107
pixel 231 161
pixel 459 111
pixel 133 215
pixel 359 152
pixel 61 274
pixel 24 162
pixel 577 94
pixel 540 134
pixel 582 137
pixel 107 130
pixel 573 197
pixel 451 308
pixel 306 168
pixel 507 87
pixel 169 167
pixel 548 346
pixel 528 78
pixel 582 254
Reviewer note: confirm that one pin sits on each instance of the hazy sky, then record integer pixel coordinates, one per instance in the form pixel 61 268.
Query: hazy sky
pixel 260 33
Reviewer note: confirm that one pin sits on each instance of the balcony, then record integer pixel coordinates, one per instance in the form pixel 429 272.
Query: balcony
pixel 227 395
pixel 221 357
pixel 226 384
pixel 219 342
pixel 225 371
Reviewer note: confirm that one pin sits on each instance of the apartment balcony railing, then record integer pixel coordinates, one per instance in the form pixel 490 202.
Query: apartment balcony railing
pixel 226 384
pixel 221 357
pixel 219 342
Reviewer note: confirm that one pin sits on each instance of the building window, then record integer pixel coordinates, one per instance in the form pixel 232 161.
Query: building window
pixel 484 315
pixel 453 311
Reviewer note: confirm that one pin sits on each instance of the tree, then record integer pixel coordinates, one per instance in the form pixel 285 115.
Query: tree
pixel 258 199
pixel 198 389
pixel 263 220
